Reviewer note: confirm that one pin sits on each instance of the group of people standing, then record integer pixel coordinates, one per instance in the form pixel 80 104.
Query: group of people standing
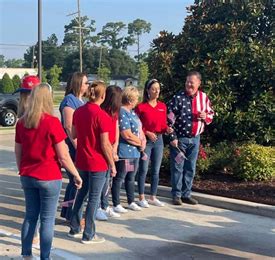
pixel 111 139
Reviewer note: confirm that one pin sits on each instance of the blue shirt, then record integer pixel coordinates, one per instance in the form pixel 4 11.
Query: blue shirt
pixel 69 101
pixel 128 120
pixel 73 102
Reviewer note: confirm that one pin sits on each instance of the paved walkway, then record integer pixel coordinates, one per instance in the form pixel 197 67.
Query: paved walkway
pixel 172 232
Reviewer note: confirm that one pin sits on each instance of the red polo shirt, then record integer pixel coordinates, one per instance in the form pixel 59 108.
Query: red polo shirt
pixel 39 159
pixel 113 125
pixel 90 121
pixel 153 118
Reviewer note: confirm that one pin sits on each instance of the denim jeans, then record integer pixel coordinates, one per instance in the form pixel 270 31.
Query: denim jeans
pixel 104 198
pixel 70 192
pixel 41 197
pixel 182 174
pixel 92 185
pixel 129 180
pixel 155 153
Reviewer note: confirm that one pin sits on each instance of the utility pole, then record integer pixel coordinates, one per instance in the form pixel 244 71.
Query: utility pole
pixel 80 35
pixel 80 28
pixel 40 39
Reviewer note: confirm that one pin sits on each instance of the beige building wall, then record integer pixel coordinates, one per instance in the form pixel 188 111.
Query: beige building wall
pixel 17 71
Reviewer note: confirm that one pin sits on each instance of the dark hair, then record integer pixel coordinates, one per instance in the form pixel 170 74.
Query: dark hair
pixel 194 73
pixel 74 83
pixel 147 86
pixel 68 84
pixel 112 102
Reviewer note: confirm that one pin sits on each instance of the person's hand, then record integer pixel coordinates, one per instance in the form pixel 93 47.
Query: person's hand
pixel 78 182
pixel 202 115
pixel 174 143
pixel 113 171
pixel 152 136
pixel 115 156
pixel 169 130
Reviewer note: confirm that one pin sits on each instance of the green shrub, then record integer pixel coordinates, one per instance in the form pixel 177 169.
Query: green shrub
pixel 221 157
pixel 254 162
pixel 204 160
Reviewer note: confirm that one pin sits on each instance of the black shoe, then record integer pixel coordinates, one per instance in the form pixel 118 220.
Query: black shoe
pixel 190 201
pixel 177 201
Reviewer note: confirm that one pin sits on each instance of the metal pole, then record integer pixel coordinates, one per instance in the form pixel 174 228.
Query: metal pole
pixel 40 39
pixel 80 36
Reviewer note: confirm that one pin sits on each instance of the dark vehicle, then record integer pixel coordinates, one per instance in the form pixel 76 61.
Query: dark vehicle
pixel 8 109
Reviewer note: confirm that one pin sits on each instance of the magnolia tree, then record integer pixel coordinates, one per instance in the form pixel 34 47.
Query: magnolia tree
pixel 230 45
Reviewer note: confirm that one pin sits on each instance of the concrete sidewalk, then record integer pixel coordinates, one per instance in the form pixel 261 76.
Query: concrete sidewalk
pixel 186 232
pixel 174 232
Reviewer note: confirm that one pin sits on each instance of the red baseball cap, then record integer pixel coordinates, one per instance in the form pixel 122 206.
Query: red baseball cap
pixel 28 83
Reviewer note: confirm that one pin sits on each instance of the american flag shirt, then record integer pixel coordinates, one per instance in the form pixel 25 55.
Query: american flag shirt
pixel 183 111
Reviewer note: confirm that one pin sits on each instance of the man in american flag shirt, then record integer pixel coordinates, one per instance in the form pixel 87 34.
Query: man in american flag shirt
pixel 188 113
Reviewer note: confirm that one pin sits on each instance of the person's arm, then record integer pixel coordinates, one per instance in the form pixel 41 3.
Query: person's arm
pixel 108 151
pixel 67 114
pixel 115 145
pixel 18 154
pixel 65 159
pixel 74 134
pixel 130 138
pixel 171 118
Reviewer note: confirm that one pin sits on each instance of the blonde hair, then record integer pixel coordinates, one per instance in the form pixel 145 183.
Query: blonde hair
pixel 129 95
pixel 40 102
pixel 23 103
pixel 96 90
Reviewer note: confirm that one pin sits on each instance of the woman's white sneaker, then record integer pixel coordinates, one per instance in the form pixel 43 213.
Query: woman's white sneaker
pixel 143 203
pixel 134 206
pixel 156 202
pixel 101 215
pixel 120 209
pixel 111 214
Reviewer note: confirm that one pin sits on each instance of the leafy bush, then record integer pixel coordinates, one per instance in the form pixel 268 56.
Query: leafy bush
pixel 254 162
pixel 6 84
pixel 204 160
pixel 221 157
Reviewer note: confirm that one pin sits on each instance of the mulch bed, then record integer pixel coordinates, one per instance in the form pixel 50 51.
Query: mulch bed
pixel 225 185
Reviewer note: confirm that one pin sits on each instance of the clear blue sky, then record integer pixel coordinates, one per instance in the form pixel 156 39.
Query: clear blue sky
pixel 18 19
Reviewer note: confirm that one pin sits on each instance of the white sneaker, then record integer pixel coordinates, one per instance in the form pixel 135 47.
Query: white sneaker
pixel 100 215
pixel 120 209
pixel 110 213
pixel 134 206
pixel 156 202
pixel 143 203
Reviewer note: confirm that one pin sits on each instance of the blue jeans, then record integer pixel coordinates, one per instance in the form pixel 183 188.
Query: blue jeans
pixel 104 198
pixel 182 174
pixel 92 185
pixel 41 197
pixel 70 192
pixel 155 153
pixel 129 180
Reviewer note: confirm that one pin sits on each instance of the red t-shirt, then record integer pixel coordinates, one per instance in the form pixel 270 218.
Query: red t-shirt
pixel 39 159
pixel 90 121
pixel 113 128
pixel 153 118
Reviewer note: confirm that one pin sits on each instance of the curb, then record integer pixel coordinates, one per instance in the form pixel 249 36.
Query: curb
pixel 223 202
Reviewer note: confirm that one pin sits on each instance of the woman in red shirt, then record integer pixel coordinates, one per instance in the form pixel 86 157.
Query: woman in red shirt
pixel 94 156
pixel 152 114
pixel 39 150
pixel 111 105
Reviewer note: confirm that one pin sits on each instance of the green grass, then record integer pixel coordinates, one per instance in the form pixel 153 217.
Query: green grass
pixel 58 97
